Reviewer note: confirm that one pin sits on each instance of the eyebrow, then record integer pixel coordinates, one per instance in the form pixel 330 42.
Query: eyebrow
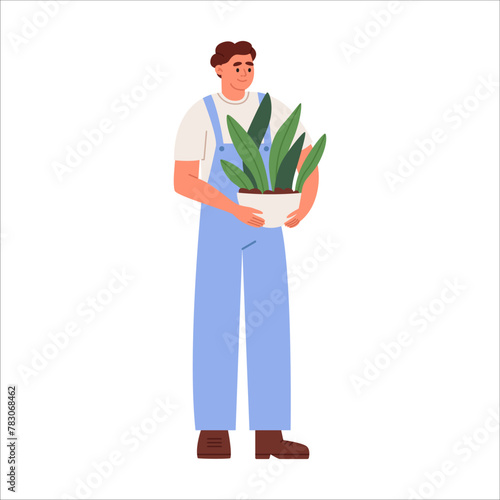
pixel 239 64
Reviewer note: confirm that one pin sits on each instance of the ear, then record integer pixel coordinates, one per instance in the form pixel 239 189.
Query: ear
pixel 218 70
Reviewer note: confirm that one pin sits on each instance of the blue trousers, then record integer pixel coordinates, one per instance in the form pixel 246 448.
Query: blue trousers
pixel 226 244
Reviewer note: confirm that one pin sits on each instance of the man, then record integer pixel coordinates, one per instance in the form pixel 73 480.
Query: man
pixel 231 236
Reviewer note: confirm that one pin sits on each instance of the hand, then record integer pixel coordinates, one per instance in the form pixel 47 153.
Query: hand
pixel 296 217
pixel 247 215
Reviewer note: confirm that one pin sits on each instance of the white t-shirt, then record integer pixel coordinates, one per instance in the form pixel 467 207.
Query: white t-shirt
pixel 196 138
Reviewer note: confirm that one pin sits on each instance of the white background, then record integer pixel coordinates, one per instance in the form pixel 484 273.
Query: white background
pixel 117 209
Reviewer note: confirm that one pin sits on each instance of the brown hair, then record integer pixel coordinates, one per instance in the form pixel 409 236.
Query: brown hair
pixel 225 50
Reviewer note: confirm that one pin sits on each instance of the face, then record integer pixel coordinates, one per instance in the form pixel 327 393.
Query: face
pixel 237 72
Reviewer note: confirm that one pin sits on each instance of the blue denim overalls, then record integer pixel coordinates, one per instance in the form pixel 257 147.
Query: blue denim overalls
pixel 224 245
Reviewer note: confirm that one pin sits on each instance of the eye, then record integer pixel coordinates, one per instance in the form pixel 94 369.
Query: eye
pixel 249 70
pixel 237 70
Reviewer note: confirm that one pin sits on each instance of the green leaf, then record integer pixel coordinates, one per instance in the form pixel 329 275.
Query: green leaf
pixel 260 122
pixel 281 143
pixel 258 127
pixel 286 172
pixel 249 152
pixel 310 163
pixel 236 175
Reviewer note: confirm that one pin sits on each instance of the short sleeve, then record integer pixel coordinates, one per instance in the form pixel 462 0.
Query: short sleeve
pixel 280 112
pixel 190 144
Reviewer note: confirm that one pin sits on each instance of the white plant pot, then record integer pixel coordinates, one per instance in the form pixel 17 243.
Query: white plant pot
pixel 274 207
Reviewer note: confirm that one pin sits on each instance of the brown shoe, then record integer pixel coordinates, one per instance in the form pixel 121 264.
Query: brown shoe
pixel 214 444
pixel 269 443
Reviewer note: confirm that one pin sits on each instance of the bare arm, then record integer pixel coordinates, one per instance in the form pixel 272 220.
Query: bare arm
pixel 309 192
pixel 188 184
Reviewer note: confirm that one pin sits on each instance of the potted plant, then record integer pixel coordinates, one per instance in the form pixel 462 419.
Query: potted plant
pixel 274 195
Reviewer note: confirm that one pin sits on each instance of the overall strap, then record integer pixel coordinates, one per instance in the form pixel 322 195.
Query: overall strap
pixel 214 118
pixel 267 137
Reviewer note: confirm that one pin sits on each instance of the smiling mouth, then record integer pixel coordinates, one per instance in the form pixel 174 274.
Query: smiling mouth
pixel 244 80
